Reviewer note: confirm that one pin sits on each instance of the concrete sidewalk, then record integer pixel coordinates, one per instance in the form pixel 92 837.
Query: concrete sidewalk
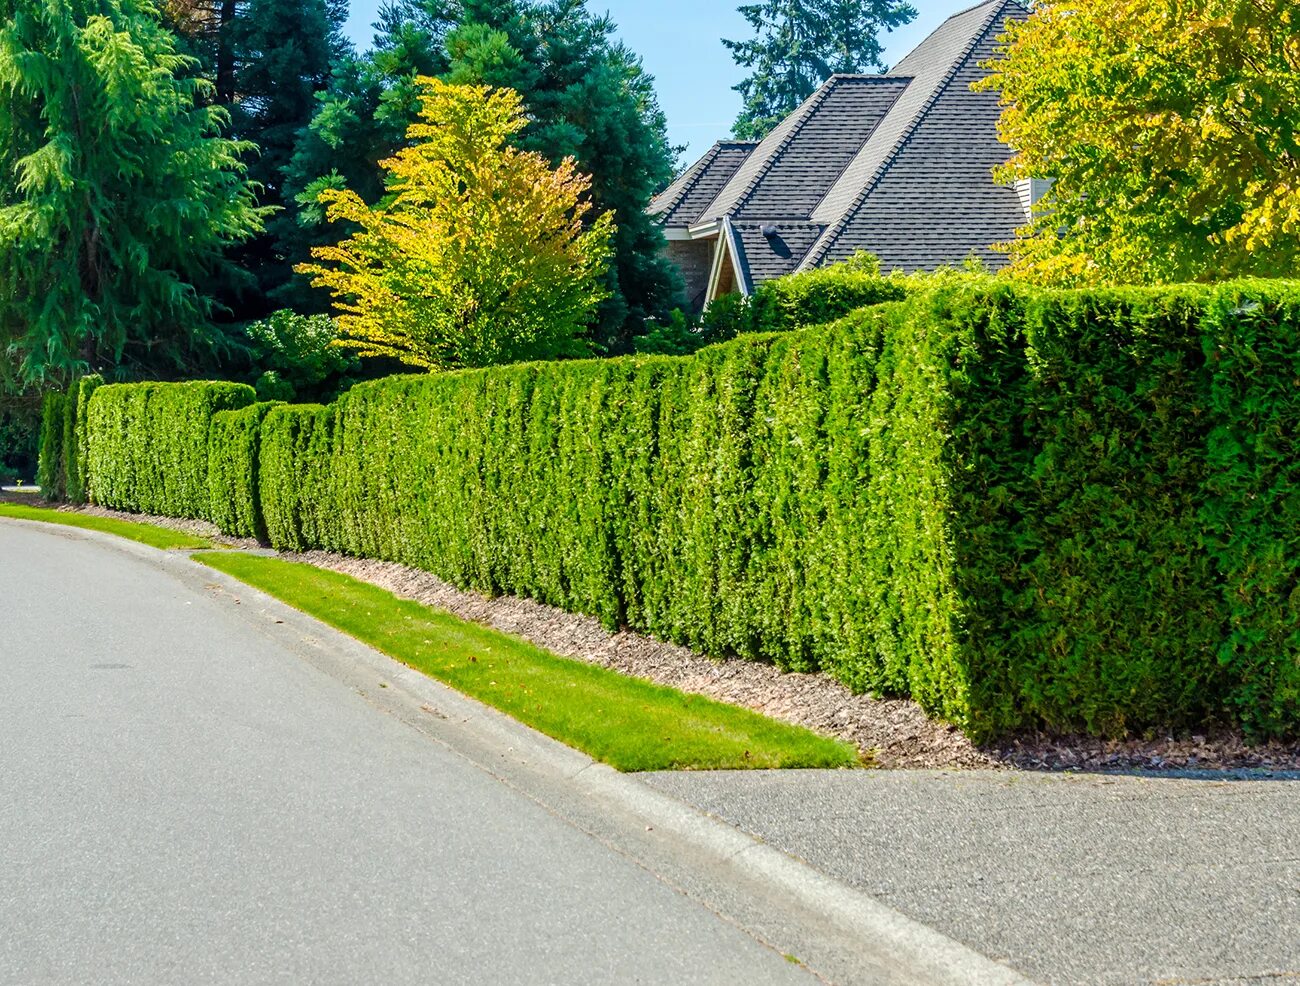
pixel 1089 879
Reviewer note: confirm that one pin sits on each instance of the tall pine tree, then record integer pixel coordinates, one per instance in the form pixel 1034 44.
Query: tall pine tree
pixel 799 44
pixel 285 53
pixel 119 193
pixel 363 115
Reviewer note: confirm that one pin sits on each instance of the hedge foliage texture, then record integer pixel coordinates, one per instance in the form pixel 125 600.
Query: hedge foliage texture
pixel 149 444
pixel 1024 508
pixel 233 446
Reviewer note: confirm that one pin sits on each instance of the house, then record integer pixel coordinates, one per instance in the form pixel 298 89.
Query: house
pixel 897 164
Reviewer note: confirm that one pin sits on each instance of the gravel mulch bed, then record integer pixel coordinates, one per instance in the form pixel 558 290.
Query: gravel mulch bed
pixel 197 528
pixel 895 732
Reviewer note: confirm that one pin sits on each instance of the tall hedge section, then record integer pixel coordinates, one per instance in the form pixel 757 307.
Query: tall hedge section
pixel 1025 508
pixel 149 444
pixel 49 464
pixel 75 410
pixel 233 445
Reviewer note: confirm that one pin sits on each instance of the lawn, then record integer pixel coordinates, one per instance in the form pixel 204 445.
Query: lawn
pixel 155 537
pixel 628 723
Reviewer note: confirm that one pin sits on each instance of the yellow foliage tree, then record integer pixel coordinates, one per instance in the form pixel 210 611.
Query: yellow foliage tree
pixel 1171 129
pixel 479 253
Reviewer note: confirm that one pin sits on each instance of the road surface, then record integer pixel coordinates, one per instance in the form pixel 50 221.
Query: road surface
pixel 183 800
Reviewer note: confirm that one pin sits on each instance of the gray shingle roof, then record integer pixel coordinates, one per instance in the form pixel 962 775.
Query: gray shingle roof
pixel 898 164
pixel 768 257
pixel 828 137
pixel 936 202
pixel 682 202
pixel 943 66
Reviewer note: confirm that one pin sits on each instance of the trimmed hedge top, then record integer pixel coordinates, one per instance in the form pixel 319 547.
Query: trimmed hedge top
pixel 1024 508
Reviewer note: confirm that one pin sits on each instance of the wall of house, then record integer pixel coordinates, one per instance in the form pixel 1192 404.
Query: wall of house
pixel 694 258
pixel 1030 191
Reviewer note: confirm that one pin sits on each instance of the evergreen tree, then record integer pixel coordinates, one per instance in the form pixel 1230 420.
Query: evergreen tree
pixel 588 98
pixel 478 255
pixel 285 53
pixel 267 60
pixel 119 194
pixel 362 117
pixel 799 44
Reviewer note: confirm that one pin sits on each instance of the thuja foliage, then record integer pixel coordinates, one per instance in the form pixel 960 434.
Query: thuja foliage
pixel 779 305
pixel 49 470
pixel 118 193
pixel 148 444
pixel 1022 507
pixel 74 436
pixel 294 477
pixel 479 254
pixel 233 445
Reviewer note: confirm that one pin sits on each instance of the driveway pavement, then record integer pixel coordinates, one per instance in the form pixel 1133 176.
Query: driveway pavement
pixel 1081 879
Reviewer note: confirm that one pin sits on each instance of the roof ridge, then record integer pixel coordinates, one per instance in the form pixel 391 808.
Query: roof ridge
pixel 849 163
pixel 823 244
pixel 869 76
pixel 693 176
pixel 809 107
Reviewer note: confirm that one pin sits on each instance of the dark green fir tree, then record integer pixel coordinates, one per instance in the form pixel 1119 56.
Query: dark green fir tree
pixel 799 44
pixel 587 95
pixel 120 193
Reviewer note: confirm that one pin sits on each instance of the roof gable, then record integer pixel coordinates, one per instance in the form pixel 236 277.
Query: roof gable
pixel 681 203
pixel 936 64
pixel 899 164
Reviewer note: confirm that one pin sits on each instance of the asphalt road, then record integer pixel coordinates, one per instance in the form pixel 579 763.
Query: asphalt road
pixel 184 801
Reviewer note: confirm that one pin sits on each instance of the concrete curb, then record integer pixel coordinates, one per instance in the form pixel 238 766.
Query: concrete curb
pixel 841 934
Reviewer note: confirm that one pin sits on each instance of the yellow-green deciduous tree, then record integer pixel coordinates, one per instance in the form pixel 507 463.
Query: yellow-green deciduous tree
pixel 1171 129
pixel 479 254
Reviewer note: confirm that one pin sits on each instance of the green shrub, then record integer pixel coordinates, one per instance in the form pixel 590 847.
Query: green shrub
pixel 1025 508
pixel 233 443
pixel 49 469
pixel 294 357
pixel 1252 496
pixel 74 436
pixel 148 444
pixel 20 436
pixel 294 465
pixel 780 305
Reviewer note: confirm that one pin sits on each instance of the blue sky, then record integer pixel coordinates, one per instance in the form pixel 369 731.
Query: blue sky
pixel 694 73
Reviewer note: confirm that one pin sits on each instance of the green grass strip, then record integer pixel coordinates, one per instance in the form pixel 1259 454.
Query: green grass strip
pixel 155 537
pixel 628 723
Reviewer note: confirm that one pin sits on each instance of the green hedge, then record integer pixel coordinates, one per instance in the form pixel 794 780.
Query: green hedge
pixel 1016 506
pixel 49 469
pixel 148 444
pixel 780 305
pixel 1078 510
pixel 74 436
pixel 293 476
pixel 233 445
